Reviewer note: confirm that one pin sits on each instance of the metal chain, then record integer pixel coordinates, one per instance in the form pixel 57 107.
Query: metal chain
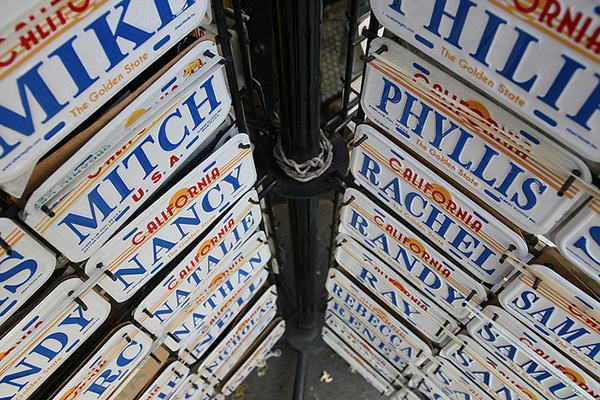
pixel 310 169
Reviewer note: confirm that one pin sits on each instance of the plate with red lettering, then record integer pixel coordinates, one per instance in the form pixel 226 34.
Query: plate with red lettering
pixel 504 162
pixel 539 59
pixel 108 179
pixel 58 69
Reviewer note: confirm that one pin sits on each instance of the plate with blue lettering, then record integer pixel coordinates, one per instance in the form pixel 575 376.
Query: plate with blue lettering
pixel 579 239
pixel 65 64
pixel 113 175
pixel 539 59
pixel 558 311
pixel 25 266
pixel 505 163
pixel 421 198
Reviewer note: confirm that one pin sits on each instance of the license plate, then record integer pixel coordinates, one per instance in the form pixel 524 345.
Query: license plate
pixel 506 164
pixel 536 361
pixel 195 388
pixel 184 212
pixel 109 366
pixel 24 271
pixel 113 175
pixel 379 363
pixel 275 333
pixel 47 336
pixel 446 375
pixel 65 64
pixel 425 385
pixel 362 367
pixel 167 383
pixel 579 239
pixel 225 296
pixel 223 358
pixel 348 301
pixel 387 285
pixel 559 312
pixel 538 59
pixel 220 248
pixel 479 365
pixel 408 254
pixel 443 214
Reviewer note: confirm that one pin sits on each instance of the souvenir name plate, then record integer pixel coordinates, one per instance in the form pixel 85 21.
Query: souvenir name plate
pixel 165 306
pixel 493 376
pixel 221 250
pixel 194 387
pixel 259 353
pixel 540 59
pixel 88 199
pixel 447 375
pixel 477 144
pixel 358 310
pixel 109 366
pixel 426 386
pixel 235 286
pixel 579 239
pixel 394 355
pixel 38 345
pixel 387 370
pixel 167 383
pixel 205 261
pixel 362 367
pixel 230 349
pixel 559 312
pixel 447 284
pixel 60 68
pixel 394 291
pixel 147 131
pixel 183 213
pixel 446 216
pixel 537 362
pixel 22 272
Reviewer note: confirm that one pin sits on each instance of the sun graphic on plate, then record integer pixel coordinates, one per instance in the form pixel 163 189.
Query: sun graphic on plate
pixel 439 193
pixel 134 117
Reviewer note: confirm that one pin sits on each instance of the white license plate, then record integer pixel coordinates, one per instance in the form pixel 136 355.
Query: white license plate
pixel 446 375
pixel 579 239
pixel 378 362
pixel 223 299
pixel 230 355
pixel 387 285
pixel 539 59
pixel 348 301
pixel 360 365
pixel 109 366
pixel 113 175
pixel 505 163
pixel 24 271
pixel 411 256
pixel 454 222
pixel 558 311
pixel 535 360
pixel 47 336
pixel 60 68
pixel 181 214
pixel 259 353
pixel 482 367
pixel 221 247
pixel 167 383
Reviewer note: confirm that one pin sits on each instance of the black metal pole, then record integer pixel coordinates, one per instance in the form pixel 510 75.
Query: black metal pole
pixel 297 37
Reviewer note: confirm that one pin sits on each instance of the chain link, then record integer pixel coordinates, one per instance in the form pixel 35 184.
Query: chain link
pixel 310 169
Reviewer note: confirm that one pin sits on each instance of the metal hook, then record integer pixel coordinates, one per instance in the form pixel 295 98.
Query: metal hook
pixel 504 256
pixel 536 283
pixel 350 200
pixel 494 318
pixel 568 182
pixel 4 245
pixel 78 301
pixel 47 211
pixel 359 141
